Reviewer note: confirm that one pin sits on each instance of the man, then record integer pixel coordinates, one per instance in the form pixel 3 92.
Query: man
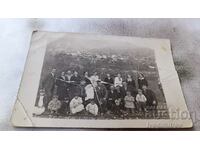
pixel 112 96
pixel 48 85
pixel 151 102
pixel 101 96
pixel 68 79
pixel 61 90
pixel 68 75
pixel 76 78
pixel 109 81
pixel 94 78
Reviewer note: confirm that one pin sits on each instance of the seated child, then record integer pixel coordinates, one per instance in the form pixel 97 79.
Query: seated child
pixel 92 108
pixel 141 100
pixel 76 105
pixel 129 102
pixel 54 105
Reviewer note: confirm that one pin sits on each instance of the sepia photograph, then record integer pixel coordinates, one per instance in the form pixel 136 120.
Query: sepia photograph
pixel 99 83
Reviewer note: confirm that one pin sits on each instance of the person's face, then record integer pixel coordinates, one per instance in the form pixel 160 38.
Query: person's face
pixel 112 87
pixel 95 73
pixel 118 88
pixel 108 75
pixel 129 76
pixel 124 83
pixel 75 73
pixel 128 93
pixel 69 72
pixel 144 87
pixel 55 98
pixel 92 102
pixel 86 73
pixel 119 75
pixel 99 83
pixel 63 73
pixel 140 75
pixel 53 71
pixel 140 92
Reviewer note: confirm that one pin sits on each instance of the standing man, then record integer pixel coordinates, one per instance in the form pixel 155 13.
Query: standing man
pixel 112 96
pixel 76 78
pixel 151 102
pixel 61 90
pixel 109 81
pixel 94 78
pixel 48 84
pixel 68 79
pixel 102 95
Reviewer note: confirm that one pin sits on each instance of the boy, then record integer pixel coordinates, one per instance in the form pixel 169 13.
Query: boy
pixel 141 100
pixel 92 108
pixel 129 102
pixel 54 105
pixel 76 105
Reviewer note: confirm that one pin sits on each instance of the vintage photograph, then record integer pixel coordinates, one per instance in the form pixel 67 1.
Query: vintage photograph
pixel 99 82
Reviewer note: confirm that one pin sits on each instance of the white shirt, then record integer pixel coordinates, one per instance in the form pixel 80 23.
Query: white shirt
pixel 118 82
pixel 94 80
pixel 93 109
pixel 141 98
pixel 75 102
pixel 89 90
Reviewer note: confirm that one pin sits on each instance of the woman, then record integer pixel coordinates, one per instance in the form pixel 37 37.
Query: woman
pixel 118 80
pixel 131 85
pixel 141 80
pixel 87 78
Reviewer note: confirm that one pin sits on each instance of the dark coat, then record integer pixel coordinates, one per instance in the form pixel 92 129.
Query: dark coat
pixel 76 79
pixel 48 83
pixel 131 87
pixel 142 82
pixel 110 81
pixel 61 90
pixel 101 91
pixel 150 96
pixel 112 95
pixel 87 81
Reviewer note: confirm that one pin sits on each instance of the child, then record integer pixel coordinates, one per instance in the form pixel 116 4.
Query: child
pixel 117 108
pixel 92 108
pixel 41 98
pixel 76 105
pixel 54 105
pixel 39 109
pixel 129 102
pixel 141 100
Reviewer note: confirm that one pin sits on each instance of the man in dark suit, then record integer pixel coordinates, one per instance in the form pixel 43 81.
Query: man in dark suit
pixel 48 84
pixel 102 95
pixel 151 103
pixel 68 79
pixel 76 78
pixel 109 81
pixel 112 96
pixel 61 87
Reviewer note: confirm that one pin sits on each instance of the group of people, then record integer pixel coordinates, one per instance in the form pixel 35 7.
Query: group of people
pixel 73 94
